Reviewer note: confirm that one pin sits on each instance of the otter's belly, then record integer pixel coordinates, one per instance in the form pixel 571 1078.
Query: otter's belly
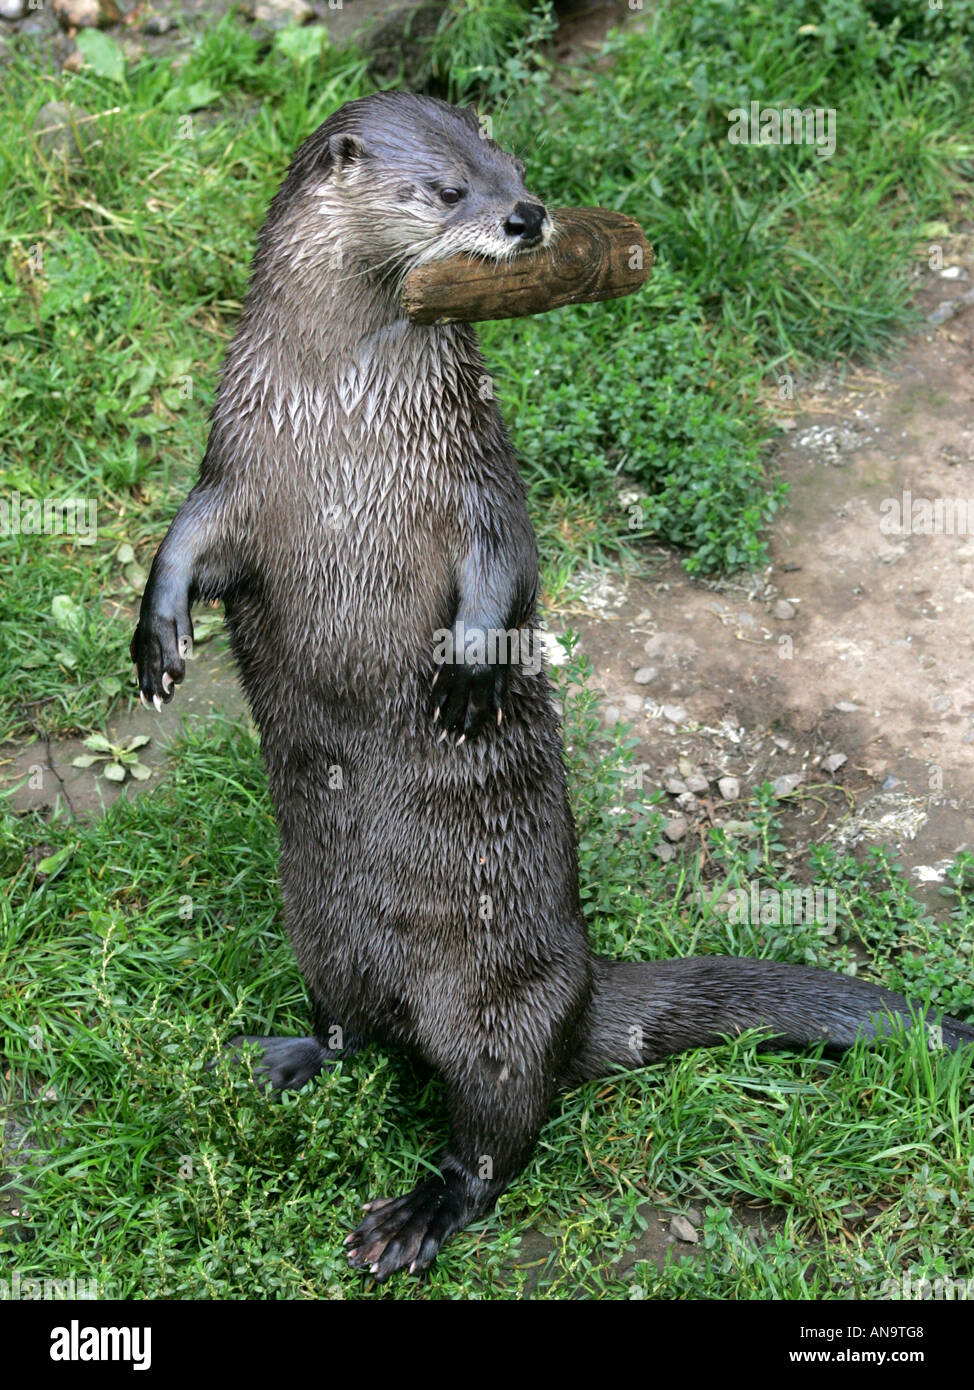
pixel 404 860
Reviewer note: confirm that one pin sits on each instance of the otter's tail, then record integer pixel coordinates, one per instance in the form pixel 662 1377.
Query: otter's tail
pixel 641 1011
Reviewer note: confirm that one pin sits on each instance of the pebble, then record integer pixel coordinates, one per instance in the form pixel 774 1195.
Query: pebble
pixel 787 783
pixel 12 9
pixel 698 783
pixel 676 714
pixel 86 14
pixel 834 761
pixel 680 1229
pixel 279 13
pixel 646 675
pixel 784 611
pixel 633 702
pixel 675 829
pixel 54 129
pixel 674 786
pixel 729 788
pixel 846 707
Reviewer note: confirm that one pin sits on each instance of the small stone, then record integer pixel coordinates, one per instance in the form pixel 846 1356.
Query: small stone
pixel 279 13
pixel 12 9
pixel 688 802
pixel 56 129
pixel 611 716
pixel 695 1215
pixel 86 14
pixel 697 783
pixel 157 24
pixel 674 786
pixel 633 703
pixel 787 783
pixel 675 829
pixel 833 762
pixel 664 852
pixel 645 675
pixel 676 714
pixel 846 707
pixel 680 1229
pixel 891 783
pixel 729 788
pixel 784 611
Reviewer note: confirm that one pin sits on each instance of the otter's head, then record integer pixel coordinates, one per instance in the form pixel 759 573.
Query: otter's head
pixel 405 179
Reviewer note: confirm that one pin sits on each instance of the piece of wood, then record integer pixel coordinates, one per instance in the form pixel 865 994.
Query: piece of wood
pixel 593 254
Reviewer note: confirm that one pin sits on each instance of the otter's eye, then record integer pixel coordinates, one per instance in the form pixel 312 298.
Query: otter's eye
pixel 451 195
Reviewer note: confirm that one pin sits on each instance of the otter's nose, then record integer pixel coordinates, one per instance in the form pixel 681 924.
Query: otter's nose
pixel 526 222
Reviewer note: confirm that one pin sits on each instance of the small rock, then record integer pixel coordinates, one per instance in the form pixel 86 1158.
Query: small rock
pixel 695 1215
pixel 56 129
pixel 674 786
pixel 698 783
pixel 12 9
pixel 833 762
pixel 645 675
pixel 729 788
pixel 664 852
pixel 891 783
pixel 787 783
pixel 846 707
pixel 611 715
pixel 676 714
pixel 675 829
pixel 681 1229
pixel 86 14
pixel 279 13
pixel 688 802
pixel 157 24
pixel 784 611
pixel 634 703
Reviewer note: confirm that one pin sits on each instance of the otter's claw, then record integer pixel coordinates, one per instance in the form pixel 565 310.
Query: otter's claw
pixel 468 697
pixel 405 1232
pixel 159 648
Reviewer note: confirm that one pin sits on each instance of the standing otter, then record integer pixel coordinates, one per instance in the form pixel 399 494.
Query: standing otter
pixel 359 499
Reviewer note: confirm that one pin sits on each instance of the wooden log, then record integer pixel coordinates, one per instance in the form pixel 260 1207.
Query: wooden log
pixel 594 253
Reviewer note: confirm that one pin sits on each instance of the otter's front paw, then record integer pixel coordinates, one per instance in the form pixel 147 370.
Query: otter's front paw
pixel 468 697
pixel 159 647
pixel 401 1232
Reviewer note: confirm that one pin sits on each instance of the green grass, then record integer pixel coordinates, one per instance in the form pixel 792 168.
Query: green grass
pixel 157 935
pixel 121 276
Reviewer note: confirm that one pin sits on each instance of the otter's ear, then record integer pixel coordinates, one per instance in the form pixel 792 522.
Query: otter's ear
pixel 345 149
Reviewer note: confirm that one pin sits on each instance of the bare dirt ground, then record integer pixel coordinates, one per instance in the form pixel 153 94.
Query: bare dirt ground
pixel 848 663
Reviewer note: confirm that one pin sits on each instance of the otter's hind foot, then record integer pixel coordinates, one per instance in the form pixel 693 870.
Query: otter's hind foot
pixel 285 1064
pixel 406 1232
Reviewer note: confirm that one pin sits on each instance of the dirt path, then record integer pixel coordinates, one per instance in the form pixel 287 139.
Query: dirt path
pixel 848 663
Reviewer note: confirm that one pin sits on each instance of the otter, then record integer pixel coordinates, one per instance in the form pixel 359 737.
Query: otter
pixel 361 514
